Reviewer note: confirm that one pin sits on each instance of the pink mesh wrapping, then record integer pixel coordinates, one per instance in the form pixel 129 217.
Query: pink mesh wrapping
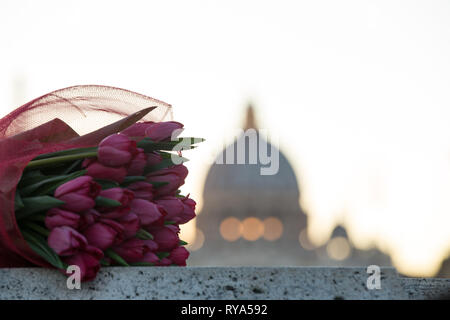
pixel 79 116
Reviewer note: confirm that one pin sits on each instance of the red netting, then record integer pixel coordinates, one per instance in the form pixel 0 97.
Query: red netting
pixel 54 122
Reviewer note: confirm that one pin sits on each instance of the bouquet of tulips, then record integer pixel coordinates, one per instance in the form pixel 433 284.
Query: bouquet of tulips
pixel 109 197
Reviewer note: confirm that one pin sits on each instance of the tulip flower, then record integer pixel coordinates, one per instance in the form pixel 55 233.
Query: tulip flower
pixel 138 163
pixel 150 257
pixel 88 261
pixel 164 262
pixel 165 237
pixel 153 158
pixel 88 218
pixel 148 212
pixel 131 224
pixel 142 190
pixel 78 194
pixel 132 250
pixel 179 210
pixel 174 227
pixel 116 150
pixel 179 256
pixel 66 241
pixel 99 171
pixel 104 233
pixel 151 245
pixel 156 131
pixel 57 217
pixel 174 176
pixel 124 196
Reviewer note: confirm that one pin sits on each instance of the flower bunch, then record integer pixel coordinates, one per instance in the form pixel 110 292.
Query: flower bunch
pixel 117 203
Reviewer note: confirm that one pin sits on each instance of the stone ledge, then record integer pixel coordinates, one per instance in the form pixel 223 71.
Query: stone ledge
pixel 220 283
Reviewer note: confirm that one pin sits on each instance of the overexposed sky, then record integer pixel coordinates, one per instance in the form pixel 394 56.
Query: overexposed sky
pixel 357 91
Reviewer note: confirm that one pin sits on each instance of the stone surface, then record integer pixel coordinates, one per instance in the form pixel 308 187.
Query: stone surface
pixel 220 283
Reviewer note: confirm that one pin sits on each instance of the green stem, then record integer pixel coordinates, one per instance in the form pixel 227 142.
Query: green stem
pixel 56 160
pixel 41 230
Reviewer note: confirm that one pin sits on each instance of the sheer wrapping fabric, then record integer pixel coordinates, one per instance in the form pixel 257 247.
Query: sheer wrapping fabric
pixel 79 116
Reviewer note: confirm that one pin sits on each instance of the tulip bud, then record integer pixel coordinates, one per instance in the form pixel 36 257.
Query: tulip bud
pixel 138 163
pixel 164 262
pixel 132 250
pixel 161 131
pixel 150 257
pixel 89 217
pixel 104 233
pixel 88 261
pixel 116 150
pixel 174 176
pixel 166 238
pixel 147 211
pixel 131 225
pixel 153 158
pixel 99 171
pixel 179 256
pixel 142 190
pixel 57 217
pixel 78 194
pixel 66 241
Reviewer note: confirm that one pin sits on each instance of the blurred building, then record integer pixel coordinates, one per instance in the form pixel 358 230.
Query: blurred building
pixel 254 219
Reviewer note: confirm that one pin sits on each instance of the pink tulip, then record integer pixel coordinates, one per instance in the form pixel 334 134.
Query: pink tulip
pixel 116 150
pixel 153 159
pixel 174 227
pixel 137 130
pixel 88 261
pixel 99 171
pixel 66 241
pixel 78 194
pixel 147 211
pixel 150 257
pixel 174 176
pixel 156 131
pixel 188 210
pixel 124 196
pixel 132 250
pixel 160 131
pixel 131 225
pixel 142 190
pixel 164 262
pixel 88 218
pixel 138 163
pixel 151 245
pixel 173 206
pixel 57 217
pixel 179 256
pixel 104 233
pixel 165 237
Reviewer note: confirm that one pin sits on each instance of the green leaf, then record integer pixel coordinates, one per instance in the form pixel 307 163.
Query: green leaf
pixel 73 166
pixel 106 202
pixel 50 189
pixel 131 179
pixel 166 163
pixel 113 255
pixel 30 177
pixel 104 262
pixel 107 184
pixel 18 203
pixel 49 183
pixel 168 222
pixel 39 245
pixel 65 153
pixel 33 205
pixel 42 163
pixel 182 243
pixel 157 184
pixel 161 255
pixel 144 235
pixel 37 228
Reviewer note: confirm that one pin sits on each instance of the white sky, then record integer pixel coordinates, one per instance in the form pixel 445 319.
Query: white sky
pixel 357 91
